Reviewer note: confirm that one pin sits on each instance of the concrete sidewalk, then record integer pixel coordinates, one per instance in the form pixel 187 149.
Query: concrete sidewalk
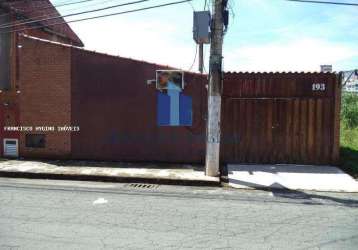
pixel 108 171
pixel 293 177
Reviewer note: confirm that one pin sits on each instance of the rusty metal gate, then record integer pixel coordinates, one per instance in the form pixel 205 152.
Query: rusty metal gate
pixel 295 125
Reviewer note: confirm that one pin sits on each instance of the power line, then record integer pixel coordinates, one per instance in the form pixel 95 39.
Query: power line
pixel 101 16
pixel 73 14
pixel 91 4
pixel 191 5
pixel 67 3
pixel 196 54
pixel 324 2
pixel 47 16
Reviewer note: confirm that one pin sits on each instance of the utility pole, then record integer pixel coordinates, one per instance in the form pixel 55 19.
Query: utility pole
pixel 212 160
pixel 201 58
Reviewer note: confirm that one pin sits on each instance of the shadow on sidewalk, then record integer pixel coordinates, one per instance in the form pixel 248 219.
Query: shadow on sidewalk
pixel 349 161
pixel 281 191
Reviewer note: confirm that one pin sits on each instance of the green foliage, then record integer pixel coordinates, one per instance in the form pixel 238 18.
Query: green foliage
pixel 350 110
pixel 349 137
pixel 349 134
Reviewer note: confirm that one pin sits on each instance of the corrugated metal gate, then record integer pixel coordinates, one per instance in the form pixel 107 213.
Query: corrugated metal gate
pixel 280 118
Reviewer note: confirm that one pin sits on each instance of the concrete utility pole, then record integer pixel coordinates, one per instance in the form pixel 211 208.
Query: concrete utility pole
pixel 212 161
pixel 201 58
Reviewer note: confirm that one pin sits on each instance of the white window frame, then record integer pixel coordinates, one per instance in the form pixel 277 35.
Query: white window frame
pixel 17 146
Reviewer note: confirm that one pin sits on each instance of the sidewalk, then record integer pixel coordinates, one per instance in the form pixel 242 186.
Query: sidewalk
pixel 290 177
pixel 108 171
pixel 286 177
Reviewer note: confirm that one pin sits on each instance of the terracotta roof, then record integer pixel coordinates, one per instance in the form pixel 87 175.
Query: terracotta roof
pixel 40 9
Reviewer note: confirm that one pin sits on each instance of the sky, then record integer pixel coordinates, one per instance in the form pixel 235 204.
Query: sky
pixel 263 35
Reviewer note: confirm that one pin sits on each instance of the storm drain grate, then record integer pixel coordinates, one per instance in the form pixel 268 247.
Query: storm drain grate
pixel 142 186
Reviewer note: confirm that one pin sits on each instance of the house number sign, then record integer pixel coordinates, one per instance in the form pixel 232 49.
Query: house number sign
pixel 319 87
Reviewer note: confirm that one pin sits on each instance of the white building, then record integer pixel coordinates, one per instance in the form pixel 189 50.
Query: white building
pixel 351 82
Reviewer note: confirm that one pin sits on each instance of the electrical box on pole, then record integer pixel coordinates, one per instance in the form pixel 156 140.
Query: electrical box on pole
pixel 201 29
pixel 201 33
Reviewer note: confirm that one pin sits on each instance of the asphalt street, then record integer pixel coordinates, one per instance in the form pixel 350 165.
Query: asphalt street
pixel 49 214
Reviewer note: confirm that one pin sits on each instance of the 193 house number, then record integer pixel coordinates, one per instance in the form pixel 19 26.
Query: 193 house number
pixel 319 87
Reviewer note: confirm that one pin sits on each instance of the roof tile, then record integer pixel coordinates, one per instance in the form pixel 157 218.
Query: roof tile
pixel 41 9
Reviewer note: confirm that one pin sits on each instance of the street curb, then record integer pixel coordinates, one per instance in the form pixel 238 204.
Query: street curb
pixel 117 179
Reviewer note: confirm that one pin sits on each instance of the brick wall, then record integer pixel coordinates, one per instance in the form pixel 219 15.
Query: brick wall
pixel 44 82
pixel 9 101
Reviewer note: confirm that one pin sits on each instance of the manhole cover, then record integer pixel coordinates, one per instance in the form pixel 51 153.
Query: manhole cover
pixel 142 186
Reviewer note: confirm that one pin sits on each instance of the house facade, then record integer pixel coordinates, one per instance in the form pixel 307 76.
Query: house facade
pixel 19 13
pixel 65 102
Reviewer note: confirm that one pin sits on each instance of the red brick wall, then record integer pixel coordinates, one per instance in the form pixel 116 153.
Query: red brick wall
pixel 9 102
pixel 44 82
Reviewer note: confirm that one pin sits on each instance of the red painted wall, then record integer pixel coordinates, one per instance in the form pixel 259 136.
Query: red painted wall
pixel 117 112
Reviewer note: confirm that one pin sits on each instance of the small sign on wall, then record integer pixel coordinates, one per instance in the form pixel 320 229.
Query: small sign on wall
pixel 170 80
